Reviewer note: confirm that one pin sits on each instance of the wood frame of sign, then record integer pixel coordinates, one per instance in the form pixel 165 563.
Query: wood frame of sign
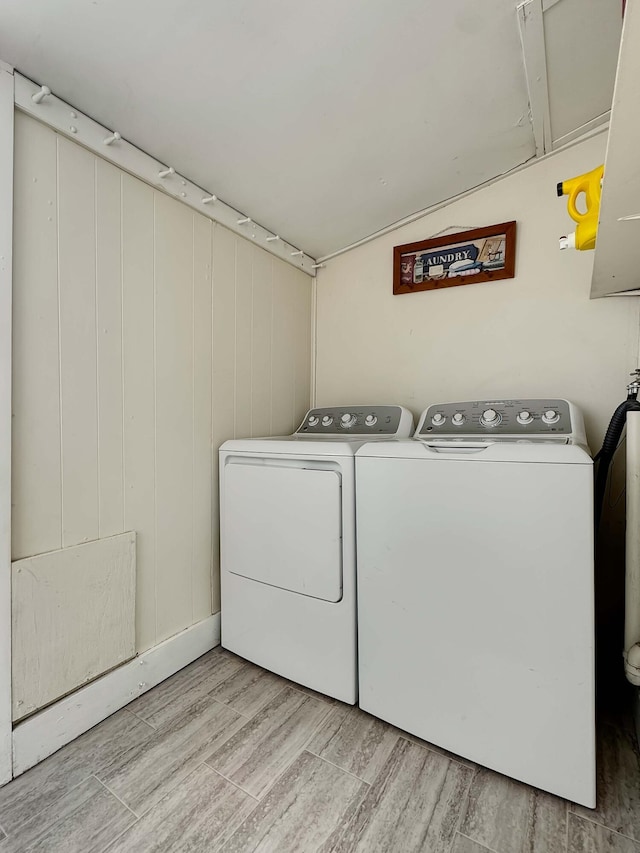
pixel 466 257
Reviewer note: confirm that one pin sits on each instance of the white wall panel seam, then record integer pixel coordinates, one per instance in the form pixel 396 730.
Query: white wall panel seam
pixel 193 404
pixel 214 484
pixel 293 341
pixel 314 340
pixel 95 285
pixel 155 426
pixel 124 479
pixel 235 337
pixel 271 355
pixel 253 308
pixel 7 159
pixel 271 268
pixel 59 340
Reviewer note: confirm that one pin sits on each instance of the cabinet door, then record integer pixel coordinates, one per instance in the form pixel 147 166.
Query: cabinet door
pixel 282 526
pixel 617 254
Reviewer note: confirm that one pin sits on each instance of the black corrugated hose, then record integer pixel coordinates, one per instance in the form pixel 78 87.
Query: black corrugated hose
pixel 609 446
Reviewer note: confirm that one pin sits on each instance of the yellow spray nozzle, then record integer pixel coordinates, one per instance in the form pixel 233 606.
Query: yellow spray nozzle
pixel 590 185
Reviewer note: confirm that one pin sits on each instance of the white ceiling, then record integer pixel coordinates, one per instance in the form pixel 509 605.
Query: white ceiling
pixel 324 120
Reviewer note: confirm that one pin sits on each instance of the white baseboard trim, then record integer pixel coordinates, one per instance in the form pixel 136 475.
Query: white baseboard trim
pixel 52 728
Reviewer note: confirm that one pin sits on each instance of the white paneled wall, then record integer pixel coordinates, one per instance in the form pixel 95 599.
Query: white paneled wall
pixel 144 336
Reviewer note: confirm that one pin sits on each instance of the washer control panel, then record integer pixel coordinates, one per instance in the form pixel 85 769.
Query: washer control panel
pixel 355 420
pixel 542 417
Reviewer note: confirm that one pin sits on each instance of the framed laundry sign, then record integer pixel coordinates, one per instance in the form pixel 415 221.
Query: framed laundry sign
pixel 466 257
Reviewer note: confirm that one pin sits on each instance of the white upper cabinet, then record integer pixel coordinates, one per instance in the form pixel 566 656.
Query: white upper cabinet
pixel 617 256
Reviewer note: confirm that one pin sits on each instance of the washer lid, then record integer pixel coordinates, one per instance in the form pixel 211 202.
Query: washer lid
pixel 518 450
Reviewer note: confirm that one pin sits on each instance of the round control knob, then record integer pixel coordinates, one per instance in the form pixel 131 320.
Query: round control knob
pixel 313 420
pixel 438 419
pixel 524 417
pixel 371 420
pixel 327 420
pixel 490 417
pixel 550 416
pixel 347 420
pixel 458 419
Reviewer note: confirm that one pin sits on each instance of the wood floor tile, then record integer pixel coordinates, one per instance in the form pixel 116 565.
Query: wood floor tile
pixel 588 837
pixel 141 777
pixel 462 844
pixel 509 817
pixel 84 821
pixel 168 700
pixel 315 695
pixel 266 744
pixel 49 781
pixel 355 741
pixel 301 811
pixel 249 689
pixel 197 816
pixel 413 805
pixel 427 745
pixel 618 788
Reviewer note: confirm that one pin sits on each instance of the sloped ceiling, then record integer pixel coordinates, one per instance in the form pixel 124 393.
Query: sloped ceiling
pixel 323 121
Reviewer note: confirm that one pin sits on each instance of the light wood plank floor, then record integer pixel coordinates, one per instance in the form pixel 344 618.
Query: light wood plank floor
pixel 226 756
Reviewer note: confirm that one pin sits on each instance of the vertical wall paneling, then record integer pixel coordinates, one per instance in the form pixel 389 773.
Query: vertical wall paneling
pixel 314 340
pixel 223 399
pixel 173 335
pixel 282 351
pixel 78 363
pixel 224 308
pixel 109 348
pixel 36 468
pixel 302 346
pixel 139 396
pixel 6 219
pixel 244 306
pixel 261 344
pixel 174 414
pixel 202 355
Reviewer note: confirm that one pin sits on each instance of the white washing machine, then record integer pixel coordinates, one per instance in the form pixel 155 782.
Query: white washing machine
pixel 476 591
pixel 287 545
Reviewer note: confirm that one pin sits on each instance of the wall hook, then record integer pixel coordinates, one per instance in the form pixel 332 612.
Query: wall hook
pixel 318 266
pixel 164 173
pixel 209 198
pixel 299 253
pixel 109 140
pixel 271 239
pixel 244 221
pixel 39 96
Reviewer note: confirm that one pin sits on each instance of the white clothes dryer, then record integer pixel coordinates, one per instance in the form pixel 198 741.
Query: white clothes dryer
pixel 476 590
pixel 288 545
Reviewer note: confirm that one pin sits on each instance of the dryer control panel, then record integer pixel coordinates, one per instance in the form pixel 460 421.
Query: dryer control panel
pixel 526 418
pixel 357 420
